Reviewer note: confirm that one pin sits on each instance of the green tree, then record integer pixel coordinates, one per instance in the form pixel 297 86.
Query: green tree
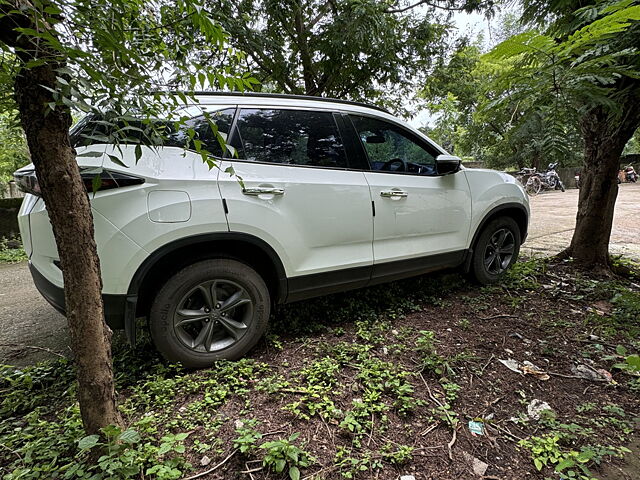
pixel 13 147
pixel 95 56
pixel 587 62
pixel 355 49
pixel 490 123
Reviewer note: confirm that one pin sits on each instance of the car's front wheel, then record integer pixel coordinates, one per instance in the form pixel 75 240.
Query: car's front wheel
pixel 496 250
pixel 211 310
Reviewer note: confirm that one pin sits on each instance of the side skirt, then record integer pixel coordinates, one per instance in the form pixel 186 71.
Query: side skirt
pixel 319 284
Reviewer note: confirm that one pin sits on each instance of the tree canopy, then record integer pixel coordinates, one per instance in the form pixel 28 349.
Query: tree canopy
pixel 378 51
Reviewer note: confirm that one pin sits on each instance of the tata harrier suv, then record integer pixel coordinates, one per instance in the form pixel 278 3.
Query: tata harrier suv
pixel 327 196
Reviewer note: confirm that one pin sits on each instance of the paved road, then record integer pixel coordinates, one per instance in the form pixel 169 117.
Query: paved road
pixel 28 324
pixel 553 218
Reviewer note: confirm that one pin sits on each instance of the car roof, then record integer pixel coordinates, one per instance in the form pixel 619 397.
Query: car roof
pixel 240 98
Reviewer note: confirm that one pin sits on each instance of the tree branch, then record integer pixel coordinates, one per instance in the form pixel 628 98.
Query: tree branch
pixel 429 3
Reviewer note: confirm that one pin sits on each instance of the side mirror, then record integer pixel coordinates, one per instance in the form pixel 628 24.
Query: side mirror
pixel 447 164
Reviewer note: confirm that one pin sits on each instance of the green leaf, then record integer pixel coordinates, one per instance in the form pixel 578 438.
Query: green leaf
pixel 129 436
pixel 294 473
pixel 280 464
pixel 88 442
pixel 117 161
pixel 96 182
pixel 620 350
pixel 538 464
pixel 90 154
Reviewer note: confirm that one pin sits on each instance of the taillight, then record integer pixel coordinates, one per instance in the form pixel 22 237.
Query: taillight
pixel 99 180
pixel 95 180
pixel 27 181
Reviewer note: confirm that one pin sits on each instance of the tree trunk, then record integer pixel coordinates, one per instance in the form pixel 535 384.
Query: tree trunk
pixel 67 202
pixel 605 138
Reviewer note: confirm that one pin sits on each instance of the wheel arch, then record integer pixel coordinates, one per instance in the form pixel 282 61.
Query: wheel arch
pixel 517 211
pixel 172 257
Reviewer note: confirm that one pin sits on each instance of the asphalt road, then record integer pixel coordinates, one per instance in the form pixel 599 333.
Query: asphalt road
pixel 32 329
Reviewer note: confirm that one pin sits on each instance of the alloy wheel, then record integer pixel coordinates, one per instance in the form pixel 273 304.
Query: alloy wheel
pixel 213 316
pixel 499 251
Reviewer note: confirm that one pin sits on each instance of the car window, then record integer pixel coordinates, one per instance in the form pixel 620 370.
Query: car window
pixel 392 148
pixel 202 126
pixel 93 130
pixel 294 137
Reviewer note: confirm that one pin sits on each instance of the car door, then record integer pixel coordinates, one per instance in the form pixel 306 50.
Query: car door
pixel 418 214
pixel 291 187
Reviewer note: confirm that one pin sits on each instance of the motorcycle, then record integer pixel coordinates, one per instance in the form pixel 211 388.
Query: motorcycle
pixel 576 176
pixel 536 181
pixel 629 174
pixel 551 179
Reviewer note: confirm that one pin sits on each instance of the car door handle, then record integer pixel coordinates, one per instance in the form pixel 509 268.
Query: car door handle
pixel 263 191
pixel 393 193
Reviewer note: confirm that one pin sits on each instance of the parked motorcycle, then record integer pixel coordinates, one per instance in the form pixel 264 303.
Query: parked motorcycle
pixel 536 181
pixel 577 178
pixel 551 178
pixel 629 174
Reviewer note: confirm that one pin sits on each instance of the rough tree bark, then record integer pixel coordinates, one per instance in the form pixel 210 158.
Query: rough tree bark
pixel 67 202
pixel 605 138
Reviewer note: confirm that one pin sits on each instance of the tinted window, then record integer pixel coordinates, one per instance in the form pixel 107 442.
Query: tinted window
pixel 203 131
pixel 390 147
pixel 94 130
pixel 290 137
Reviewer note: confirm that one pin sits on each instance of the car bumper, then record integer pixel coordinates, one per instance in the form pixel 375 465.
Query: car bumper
pixel 115 306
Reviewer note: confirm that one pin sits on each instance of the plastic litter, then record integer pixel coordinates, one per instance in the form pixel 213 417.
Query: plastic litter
pixel 476 428
pixel 525 368
pixel 593 374
pixel 536 407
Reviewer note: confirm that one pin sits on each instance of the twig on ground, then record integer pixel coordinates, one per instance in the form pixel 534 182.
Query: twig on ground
pixel 497 316
pixel 256 469
pixel 487 364
pixel 372 429
pixel 452 443
pixel 453 427
pixel 429 429
pixel 202 474
pixel 505 431
pixel 33 347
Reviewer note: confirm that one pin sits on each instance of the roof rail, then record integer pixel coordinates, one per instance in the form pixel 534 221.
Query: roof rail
pixel 285 95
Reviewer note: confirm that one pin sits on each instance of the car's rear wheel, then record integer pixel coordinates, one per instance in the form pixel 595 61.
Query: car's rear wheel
pixel 211 310
pixel 496 250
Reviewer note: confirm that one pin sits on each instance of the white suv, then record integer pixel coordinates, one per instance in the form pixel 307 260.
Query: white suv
pixel 334 195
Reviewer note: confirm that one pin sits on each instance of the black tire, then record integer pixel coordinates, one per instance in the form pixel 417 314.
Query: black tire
pixel 561 185
pixel 190 323
pixel 485 250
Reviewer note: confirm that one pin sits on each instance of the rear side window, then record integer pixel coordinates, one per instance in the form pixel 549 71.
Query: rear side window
pixel 203 132
pixel 293 137
pixel 93 130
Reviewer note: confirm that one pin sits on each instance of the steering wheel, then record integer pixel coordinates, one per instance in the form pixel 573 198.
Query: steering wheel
pixel 401 168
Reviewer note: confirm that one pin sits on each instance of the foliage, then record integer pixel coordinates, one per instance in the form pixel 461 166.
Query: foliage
pixel 13 149
pixel 354 49
pixel 547 450
pixel 283 453
pixel 123 60
pixel 9 254
pixel 477 115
